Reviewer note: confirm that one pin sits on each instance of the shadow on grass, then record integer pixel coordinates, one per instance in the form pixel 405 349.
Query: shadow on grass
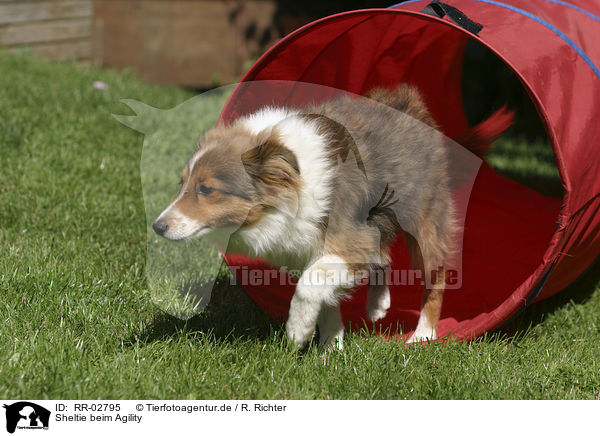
pixel 231 315
pixel 578 292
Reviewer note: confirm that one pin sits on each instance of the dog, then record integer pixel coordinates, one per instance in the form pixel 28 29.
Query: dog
pixel 326 189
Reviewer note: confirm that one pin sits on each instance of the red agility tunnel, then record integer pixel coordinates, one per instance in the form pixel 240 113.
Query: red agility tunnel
pixel 519 246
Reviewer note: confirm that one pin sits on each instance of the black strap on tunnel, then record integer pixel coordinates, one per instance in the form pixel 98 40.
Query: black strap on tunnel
pixel 440 10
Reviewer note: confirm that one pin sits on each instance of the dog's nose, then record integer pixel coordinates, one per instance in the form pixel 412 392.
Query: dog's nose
pixel 160 227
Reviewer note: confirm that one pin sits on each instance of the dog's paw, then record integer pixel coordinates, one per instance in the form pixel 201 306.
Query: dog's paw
pixel 298 332
pixel 422 335
pixel 376 313
pixel 378 304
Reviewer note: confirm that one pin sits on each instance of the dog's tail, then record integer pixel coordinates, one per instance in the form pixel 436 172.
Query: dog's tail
pixel 478 139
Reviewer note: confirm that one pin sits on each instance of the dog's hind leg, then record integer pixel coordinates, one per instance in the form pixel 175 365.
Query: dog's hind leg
pixel 431 308
pixel 320 285
pixel 431 305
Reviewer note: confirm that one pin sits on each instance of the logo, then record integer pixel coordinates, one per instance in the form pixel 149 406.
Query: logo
pixel 26 415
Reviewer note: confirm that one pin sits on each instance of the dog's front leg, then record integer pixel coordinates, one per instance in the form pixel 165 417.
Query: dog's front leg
pixel 318 291
pixel 331 326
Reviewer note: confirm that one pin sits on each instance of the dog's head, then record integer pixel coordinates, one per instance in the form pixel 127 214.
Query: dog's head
pixel 234 178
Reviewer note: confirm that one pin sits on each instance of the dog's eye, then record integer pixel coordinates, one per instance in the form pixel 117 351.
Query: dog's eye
pixel 181 182
pixel 205 190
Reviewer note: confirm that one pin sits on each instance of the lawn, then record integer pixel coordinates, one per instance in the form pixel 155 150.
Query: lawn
pixel 78 318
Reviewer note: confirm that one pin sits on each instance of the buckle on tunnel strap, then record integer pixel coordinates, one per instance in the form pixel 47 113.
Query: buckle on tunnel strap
pixel 440 10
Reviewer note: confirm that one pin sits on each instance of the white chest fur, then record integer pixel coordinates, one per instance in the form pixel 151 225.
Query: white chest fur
pixel 290 235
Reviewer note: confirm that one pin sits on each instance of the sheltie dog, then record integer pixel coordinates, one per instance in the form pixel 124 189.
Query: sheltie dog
pixel 326 189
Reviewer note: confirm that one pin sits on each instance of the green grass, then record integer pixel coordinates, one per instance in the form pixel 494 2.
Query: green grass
pixel 78 318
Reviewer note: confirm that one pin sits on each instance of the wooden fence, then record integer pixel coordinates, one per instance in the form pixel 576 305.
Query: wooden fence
pixel 195 43
pixel 55 29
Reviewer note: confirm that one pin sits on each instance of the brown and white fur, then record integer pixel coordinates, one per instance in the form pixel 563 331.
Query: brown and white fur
pixel 325 190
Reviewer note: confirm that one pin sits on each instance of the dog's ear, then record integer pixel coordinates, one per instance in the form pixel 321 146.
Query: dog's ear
pixel 341 141
pixel 271 163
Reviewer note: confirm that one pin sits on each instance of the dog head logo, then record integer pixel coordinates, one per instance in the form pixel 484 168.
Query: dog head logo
pixel 180 282
pixel 26 415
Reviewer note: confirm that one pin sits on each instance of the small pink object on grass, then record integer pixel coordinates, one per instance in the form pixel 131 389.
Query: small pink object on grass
pixel 100 85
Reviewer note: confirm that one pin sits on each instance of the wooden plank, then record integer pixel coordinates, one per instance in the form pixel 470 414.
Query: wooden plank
pixel 38 1
pixel 160 41
pixel 75 50
pixel 45 31
pixel 24 12
pixel 189 43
